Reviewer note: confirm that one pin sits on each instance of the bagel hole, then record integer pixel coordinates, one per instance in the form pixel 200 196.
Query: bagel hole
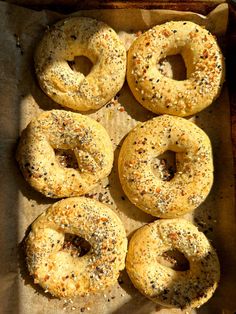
pixel 66 158
pixel 164 166
pixel 81 64
pixel 75 245
pixel 174 259
pixel 173 67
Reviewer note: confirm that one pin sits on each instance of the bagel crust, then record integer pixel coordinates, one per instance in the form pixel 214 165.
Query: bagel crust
pixel 192 180
pixel 64 274
pixel 164 285
pixel 204 64
pixel 80 36
pixel 62 130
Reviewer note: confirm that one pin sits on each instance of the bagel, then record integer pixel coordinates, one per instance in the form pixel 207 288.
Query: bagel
pixel 80 36
pixel 60 271
pixel 73 133
pixel 204 64
pixel 162 284
pixel 150 190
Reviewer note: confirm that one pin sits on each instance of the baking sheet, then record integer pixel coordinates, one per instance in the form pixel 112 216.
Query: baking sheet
pixel 21 99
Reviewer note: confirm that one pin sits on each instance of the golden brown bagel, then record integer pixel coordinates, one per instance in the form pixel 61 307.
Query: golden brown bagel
pixel 193 178
pixel 80 36
pixel 162 284
pixel 59 270
pixel 60 130
pixel 204 64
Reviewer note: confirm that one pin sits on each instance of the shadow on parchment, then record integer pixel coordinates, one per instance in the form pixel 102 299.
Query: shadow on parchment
pixel 17 50
pixel 138 303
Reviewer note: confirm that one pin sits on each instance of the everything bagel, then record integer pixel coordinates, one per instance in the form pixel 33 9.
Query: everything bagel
pixel 59 270
pixel 162 284
pixel 72 134
pixel 80 36
pixel 138 160
pixel 204 64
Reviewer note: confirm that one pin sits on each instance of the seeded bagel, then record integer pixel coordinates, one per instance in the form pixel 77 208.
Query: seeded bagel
pixel 52 138
pixel 204 64
pixel 147 188
pixel 74 37
pixel 57 267
pixel 179 289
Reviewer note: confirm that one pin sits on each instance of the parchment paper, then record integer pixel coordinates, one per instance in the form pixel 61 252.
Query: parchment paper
pixel 21 99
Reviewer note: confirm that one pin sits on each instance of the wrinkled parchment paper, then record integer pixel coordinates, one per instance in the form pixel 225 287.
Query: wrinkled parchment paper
pixel 21 99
